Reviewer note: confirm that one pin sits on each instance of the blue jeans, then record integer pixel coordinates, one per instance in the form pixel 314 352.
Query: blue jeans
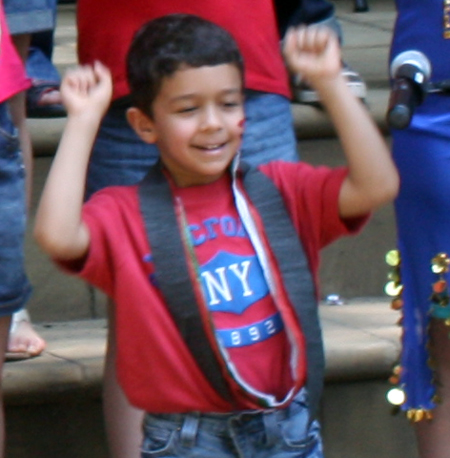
pixel 40 67
pixel 39 61
pixel 285 433
pixel 119 157
pixel 14 286
pixel 28 16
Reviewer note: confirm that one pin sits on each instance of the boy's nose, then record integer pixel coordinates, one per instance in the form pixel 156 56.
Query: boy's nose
pixel 211 118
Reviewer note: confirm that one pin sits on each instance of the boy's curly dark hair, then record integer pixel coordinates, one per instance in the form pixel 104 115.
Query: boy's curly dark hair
pixel 165 44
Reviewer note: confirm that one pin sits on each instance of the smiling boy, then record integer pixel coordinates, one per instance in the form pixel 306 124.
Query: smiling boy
pixel 197 119
pixel 212 267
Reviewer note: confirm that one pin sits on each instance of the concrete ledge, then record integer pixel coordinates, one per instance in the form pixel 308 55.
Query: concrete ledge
pixel 361 341
pixel 54 406
pixel 71 365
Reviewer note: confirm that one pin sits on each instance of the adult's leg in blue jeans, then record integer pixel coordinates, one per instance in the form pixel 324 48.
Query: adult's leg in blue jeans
pixel 25 17
pixel 39 63
pixel 43 98
pixel 41 68
pixel 29 16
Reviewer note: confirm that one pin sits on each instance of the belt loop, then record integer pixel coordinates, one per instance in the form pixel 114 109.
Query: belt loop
pixel 271 427
pixel 189 429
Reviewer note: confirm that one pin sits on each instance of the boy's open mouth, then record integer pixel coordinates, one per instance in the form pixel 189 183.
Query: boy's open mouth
pixel 214 147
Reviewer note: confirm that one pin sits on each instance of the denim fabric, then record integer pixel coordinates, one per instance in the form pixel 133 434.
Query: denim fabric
pixel 120 158
pixel 28 16
pixel 269 130
pixel 285 433
pixel 40 67
pixel 39 61
pixel 14 287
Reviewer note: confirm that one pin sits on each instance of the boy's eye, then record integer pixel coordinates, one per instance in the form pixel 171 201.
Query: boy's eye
pixel 187 109
pixel 231 104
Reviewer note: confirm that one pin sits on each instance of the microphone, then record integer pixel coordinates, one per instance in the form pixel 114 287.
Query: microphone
pixel 410 72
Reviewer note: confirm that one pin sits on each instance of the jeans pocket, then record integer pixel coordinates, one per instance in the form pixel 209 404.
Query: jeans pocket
pixel 304 446
pixel 299 434
pixel 158 441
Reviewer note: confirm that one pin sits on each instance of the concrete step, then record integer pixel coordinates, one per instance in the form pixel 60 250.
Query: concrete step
pixel 309 121
pixel 62 388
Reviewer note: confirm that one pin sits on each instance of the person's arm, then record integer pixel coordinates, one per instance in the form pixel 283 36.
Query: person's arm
pixel 59 230
pixel 372 180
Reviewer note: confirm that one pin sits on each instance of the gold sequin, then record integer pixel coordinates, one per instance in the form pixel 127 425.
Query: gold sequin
pixel 440 263
pixel 393 258
pixel 397 303
pixel 393 289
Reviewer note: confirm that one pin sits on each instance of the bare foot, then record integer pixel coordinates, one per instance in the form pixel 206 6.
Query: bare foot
pixel 50 97
pixel 23 342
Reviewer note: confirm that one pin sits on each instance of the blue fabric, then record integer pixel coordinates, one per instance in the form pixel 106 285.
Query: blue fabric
pixel 29 16
pixel 40 67
pixel 14 287
pixel 39 63
pixel 120 158
pixel 285 433
pixel 422 154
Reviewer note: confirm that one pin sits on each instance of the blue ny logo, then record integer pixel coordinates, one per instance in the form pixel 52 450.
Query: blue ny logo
pixel 232 283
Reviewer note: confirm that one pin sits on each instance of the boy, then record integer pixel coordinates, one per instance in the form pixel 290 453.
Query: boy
pixel 215 298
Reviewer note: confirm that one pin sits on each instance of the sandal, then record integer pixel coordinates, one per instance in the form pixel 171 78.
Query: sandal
pixel 36 108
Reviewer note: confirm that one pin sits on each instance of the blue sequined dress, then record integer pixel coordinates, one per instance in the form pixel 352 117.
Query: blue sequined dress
pixel 422 154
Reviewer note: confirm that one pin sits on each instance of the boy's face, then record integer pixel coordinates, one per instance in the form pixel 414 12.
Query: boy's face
pixel 198 122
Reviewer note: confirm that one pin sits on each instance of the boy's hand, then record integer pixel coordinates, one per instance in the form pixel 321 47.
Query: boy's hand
pixel 87 90
pixel 313 53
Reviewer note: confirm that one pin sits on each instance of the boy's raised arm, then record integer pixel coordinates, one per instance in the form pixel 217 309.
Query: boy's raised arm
pixel 86 93
pixel 372 181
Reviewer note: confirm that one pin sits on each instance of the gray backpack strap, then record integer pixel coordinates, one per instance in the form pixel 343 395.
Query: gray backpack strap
pixel 295 272
pixel 173 277
pixel 172 274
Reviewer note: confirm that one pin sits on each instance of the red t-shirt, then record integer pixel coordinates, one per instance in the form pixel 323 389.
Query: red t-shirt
pixel 155 367
pixel 105 30
pixel 12 74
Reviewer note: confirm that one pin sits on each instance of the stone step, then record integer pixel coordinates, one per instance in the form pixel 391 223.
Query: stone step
pixel 62 388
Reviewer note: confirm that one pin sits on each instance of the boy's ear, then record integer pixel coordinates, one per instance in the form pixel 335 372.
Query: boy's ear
pixel 141 124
